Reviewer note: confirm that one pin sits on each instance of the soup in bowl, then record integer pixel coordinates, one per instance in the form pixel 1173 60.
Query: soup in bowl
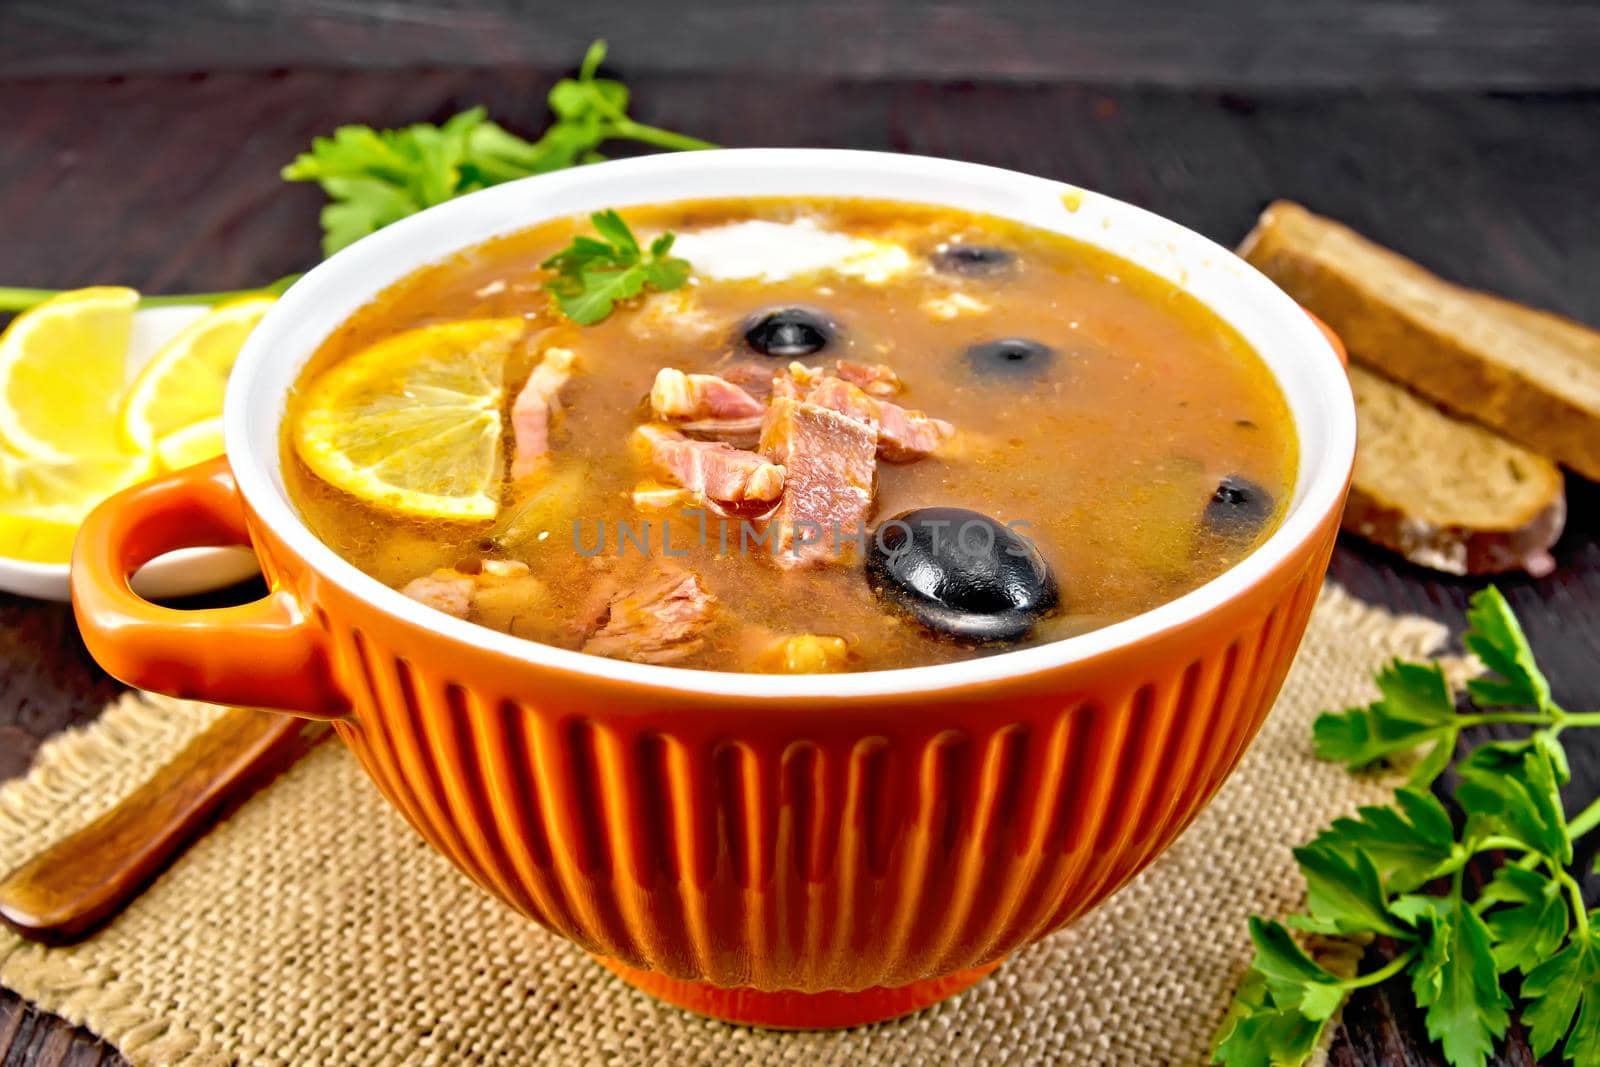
pixel 860 435
pixel 798 577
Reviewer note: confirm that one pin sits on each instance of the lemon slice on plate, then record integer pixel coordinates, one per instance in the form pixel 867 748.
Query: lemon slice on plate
pixel 412 424
pixel 184 382
pixel 194 443
pixel 61 373
pixel 42 501
pixel 34 540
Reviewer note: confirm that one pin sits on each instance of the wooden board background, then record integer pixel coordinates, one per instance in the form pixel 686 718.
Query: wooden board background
pixel 168 182
pixel 1529 44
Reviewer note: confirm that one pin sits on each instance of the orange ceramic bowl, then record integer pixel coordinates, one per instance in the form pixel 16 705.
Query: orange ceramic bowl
pixel 790 851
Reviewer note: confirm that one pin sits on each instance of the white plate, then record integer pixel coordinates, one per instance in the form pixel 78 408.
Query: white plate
pixel 181 573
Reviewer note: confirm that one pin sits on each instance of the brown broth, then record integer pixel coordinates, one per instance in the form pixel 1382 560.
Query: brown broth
pixel 1111 458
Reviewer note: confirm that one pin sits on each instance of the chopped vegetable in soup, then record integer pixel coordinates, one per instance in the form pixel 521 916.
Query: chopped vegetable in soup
pixel 792 436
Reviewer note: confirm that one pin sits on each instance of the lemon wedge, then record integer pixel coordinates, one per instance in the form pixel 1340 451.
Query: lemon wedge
pixel 184 381
pixel 61 373
pixel 194 443
pixel 412 424
pixel 42 501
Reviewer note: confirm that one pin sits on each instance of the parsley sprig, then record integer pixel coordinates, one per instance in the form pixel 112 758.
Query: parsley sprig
pixel 376 177
pixel 593 273
pixel 1399 871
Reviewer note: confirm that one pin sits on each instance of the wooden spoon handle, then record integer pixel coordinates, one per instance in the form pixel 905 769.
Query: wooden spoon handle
pixel 72 887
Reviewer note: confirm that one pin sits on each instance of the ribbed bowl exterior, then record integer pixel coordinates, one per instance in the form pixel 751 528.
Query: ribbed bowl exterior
pixel 825 846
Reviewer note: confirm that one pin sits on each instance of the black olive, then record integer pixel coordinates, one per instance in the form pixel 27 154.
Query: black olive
pixel 789 332
pixel 1011 357
pixel 1238 508
pixel 961 573
pixel 974 261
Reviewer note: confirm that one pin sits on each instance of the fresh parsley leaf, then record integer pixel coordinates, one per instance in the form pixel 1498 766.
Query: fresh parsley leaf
pixel 375 177
pixel 587 100
pixel 597 293
pixel 666 274
pixel 1295 979
pixel 609 225
pixel 1508 757
pixel 1495 637
pixel 1432 763
pixel 1258 1032
pixel 1453 947
pixel 1416 692
pixel 593 273
pixel 1343 893
pixel 1551 746
pixel 1514 790
pixel 1535 922
pixel 360 206
pixel 1282 1006
pixel 1416 707
pixel 1563 996
pixel 1455 980
pixel 1406 842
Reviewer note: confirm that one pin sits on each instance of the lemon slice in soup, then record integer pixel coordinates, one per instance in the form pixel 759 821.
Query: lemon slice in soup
pixel 412 424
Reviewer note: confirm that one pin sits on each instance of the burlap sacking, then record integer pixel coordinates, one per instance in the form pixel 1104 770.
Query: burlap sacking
pixel 314 927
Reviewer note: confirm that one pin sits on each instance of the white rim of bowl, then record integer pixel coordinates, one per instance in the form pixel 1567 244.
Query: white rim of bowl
pixel 370 265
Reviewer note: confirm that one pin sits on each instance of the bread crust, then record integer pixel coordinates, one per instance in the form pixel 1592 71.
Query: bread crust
pixel 1387 310
pixel 1456 549
pixel 1380 304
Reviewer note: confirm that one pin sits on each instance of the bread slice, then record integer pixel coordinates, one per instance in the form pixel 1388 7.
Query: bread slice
pixel 1531 375
pixel 1445 493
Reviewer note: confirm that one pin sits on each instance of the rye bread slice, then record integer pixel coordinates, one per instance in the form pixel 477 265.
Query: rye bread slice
pixel 1448 494
pixel 1531 375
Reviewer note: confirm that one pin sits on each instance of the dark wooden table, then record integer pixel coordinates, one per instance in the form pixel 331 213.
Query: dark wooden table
pixel 169 183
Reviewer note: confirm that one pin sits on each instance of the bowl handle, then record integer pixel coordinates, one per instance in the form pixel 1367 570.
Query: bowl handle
pixel 266 652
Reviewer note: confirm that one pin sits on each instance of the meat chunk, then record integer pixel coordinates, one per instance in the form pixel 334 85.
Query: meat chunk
pixel 494 592
pixel 794 385
pixel 539 399
pixel 444 590
pixel 876 379
pixel 902 435
pixel 662 620
pixel 836 394
pixel 735 482
pixel 676 395
pixel 830 465
pixel 743 432
pixel 753 378
pixel 714 409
